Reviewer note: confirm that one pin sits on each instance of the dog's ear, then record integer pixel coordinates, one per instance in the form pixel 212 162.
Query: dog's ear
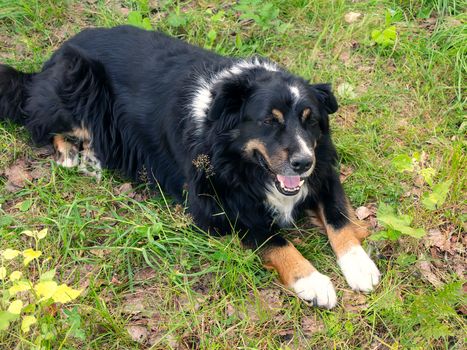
pixel 225 111
pixel 325 96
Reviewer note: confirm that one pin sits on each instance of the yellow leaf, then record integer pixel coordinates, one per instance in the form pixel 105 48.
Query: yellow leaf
pixel 15 307
pixel 64 294
pixel 19 286
pixel 42 233
pixel 9 254
pixel 30 255
pixel 15 275
pixel 29 233
pixel 45 289
pixel 2 273
pixel 27 322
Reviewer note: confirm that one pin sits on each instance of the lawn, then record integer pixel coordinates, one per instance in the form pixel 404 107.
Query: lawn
pixel 144 279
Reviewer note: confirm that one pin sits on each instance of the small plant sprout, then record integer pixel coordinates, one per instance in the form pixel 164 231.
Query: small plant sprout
pixel 431 200
pixel 27 293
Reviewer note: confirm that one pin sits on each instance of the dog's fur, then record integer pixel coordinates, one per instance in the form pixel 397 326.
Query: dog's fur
pixel 236 133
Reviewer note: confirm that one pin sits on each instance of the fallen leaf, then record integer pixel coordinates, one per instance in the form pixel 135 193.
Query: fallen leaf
pixel 345 172
pixel 125 188
pixel 435 238
pixel 271 298
pixel 138 333
pixel 354 302
pixel 346 115
pixel 312 325
pixel 124 11
pixel 352 17
pixel 17 175
pixel 143 302
pixel 426 270
pixel 39 173
pixel 100 252
pixel 363 212
pixel 43 152
pixel 344 56
pixel 145 274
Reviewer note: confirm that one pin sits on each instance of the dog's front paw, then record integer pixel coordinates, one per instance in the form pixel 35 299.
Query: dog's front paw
pixel 316 288
pixel 359 270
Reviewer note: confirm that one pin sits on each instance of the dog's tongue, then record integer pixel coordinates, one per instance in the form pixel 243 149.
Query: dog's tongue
pixel 289 181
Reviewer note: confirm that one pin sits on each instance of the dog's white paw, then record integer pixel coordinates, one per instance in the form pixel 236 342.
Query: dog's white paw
pixel 359 270
pixel 316 288
pixel 69 160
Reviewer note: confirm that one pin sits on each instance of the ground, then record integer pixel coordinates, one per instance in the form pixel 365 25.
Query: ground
pixel 148 281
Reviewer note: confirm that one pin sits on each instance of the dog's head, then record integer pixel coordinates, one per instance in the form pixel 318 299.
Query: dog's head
pixel 275 121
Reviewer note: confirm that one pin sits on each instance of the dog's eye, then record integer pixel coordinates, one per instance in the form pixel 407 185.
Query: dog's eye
pixel 271 120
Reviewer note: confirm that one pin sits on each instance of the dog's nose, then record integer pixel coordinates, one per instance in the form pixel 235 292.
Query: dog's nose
pixel 301 163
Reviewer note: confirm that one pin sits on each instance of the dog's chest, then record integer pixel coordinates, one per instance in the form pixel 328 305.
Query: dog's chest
pixel 281 206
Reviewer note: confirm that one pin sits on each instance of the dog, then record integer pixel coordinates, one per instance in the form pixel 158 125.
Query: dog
pixel 249 141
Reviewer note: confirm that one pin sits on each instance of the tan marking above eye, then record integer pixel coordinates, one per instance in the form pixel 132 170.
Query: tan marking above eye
pixel 306 113
pixel 277 114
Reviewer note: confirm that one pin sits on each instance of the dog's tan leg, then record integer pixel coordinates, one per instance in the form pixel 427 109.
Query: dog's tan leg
pixel 298 274
pixel 66 152
pixel 359 270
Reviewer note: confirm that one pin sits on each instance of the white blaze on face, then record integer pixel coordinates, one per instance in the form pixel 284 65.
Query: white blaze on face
pixel 305 149
pixel 295 92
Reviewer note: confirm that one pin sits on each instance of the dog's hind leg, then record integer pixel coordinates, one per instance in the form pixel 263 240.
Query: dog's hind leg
pixel 66 152
pixel 89 164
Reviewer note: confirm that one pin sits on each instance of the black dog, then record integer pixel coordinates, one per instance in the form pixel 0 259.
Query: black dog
pixel 249 140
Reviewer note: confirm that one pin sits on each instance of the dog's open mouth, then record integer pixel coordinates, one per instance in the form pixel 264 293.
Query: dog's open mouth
pixel 288 185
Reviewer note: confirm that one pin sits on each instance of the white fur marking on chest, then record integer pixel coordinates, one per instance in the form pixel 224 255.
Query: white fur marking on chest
pixel 283 206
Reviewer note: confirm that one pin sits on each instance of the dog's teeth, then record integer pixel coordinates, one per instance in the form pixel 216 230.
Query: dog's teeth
pixel 301 183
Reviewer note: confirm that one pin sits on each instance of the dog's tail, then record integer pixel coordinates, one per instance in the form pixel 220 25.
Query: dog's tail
pixel 13 93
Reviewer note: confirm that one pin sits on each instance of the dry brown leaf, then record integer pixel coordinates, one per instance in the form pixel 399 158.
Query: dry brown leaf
pixel 352 17
pixel 354 302
pixel 345 172
pixel 311 325
pixel 124 11
pixel 43 152
pixel 435 238
pixel 426 270
pixel 271 298
pixel 145 274
pixel 363 212
pixel 126 189
pixel 100 252
pixel 344 56
pixel 17 175
pixel 138 333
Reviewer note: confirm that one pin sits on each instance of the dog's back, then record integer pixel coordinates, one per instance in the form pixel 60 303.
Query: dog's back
pixel 112 89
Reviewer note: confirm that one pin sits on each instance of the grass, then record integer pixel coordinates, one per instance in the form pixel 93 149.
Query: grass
pixel 143 268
